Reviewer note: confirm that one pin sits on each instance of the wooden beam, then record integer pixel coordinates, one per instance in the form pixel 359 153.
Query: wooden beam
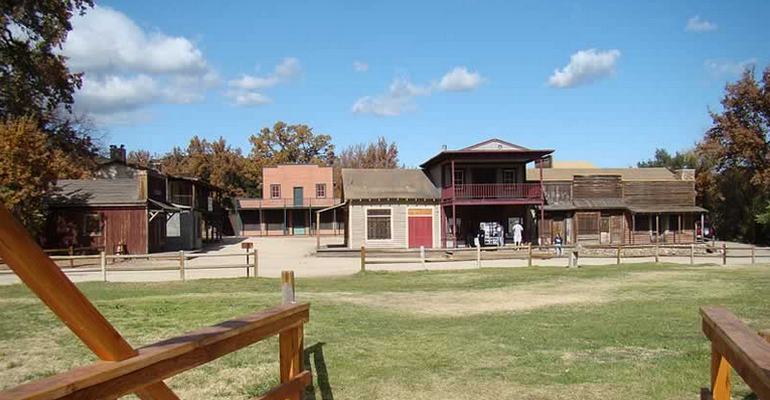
pixel 51 285
pixel 741 347
pixel 163 359
pixel 289 388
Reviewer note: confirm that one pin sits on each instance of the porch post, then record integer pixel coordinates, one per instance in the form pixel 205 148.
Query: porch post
pixel 454 209
pixel 633 227
pixel 334 221
pixel 542 204
pixel 657 228
pixel 702 228
pixel 678 229
pixel 284 218
pixel 261 220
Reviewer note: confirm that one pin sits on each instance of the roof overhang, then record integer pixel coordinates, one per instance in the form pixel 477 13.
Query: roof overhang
pixel 487 156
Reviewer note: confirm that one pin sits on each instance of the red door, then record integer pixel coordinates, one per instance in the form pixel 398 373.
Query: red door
pixel 420 228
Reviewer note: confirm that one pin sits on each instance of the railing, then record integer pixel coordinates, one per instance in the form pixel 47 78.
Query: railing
pixel 177 262
pixel 182 199
pixel 288 202
pixel 570 254
pixel 125 370
pixel 493 191
pixel 735 346
pixel 164 359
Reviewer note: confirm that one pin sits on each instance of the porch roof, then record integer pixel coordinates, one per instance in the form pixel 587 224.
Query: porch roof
pixel 666 209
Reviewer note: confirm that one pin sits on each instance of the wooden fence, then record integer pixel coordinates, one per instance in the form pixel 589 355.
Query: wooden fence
pixel 180 263
pixel 123 369
pixel 735 346
pixel 531 253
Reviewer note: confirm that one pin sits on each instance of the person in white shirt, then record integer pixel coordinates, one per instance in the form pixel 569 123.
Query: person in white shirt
pixel 518 230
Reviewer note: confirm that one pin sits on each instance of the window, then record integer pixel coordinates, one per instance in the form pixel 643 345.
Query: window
pixel 320 190
pixel 378 224
pixel 275 191
pixel 92 225
pixel 459 177
pixel 509 176
pixel 588 224
pixel 643 223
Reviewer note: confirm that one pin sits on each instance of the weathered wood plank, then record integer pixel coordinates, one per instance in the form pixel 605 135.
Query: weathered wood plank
pixel 742 347
pixel 286 390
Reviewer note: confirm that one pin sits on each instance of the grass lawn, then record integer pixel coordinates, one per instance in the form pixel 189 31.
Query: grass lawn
pixel 521 333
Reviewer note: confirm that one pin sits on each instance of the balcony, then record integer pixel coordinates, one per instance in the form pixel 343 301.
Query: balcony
pixel 306 202
pixel 493 193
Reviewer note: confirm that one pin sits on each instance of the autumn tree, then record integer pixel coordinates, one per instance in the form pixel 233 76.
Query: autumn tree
pixel 378 154
pixel 36 81
pixel 287 144
pixel 735 185
pixel 142 158
pixel 26 172
pixel 216 162
pixel 662 158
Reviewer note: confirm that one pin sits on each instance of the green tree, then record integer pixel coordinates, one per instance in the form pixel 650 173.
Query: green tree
pixel 735 179
pixel 35 79
pixel 680 160
pixel 27 172
pixel 287 144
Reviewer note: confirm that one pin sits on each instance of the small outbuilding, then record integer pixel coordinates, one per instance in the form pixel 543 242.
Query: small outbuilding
pixel 391 208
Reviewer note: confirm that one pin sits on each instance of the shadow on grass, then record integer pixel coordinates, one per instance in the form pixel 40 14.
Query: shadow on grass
pixel 321 375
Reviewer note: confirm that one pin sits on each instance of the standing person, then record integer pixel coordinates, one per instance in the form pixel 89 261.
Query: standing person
pixel 518 231
pixel 557 241
pixel 500 236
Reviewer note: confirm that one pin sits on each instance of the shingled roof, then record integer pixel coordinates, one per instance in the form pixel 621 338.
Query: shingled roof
pixel 397 184
pixel 97 192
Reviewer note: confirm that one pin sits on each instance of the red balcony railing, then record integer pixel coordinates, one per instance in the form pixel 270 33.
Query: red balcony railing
pixel 493 191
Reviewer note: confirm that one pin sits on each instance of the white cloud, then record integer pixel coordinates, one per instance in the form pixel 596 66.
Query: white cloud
pixel 360 66
pixel 721 68
pixel 399 98
pixel 126 68
pixel 245 90
pixel 697 24
pixel 585 66
pixel 459 79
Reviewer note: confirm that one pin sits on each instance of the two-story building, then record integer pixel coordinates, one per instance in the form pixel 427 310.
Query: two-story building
pixel 290 196
pixel 444 203
pixel 133 209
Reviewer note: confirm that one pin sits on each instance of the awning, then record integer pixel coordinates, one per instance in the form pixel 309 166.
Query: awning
pixel 338 205
pixel 658 209
pixel 164 206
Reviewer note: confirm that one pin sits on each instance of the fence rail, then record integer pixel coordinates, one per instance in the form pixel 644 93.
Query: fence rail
pixel 251 263
pixel 735 346
pixel 569 253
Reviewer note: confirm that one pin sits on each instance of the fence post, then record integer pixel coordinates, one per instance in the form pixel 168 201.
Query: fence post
pixel 478 256
pixel 529 254
pixel 181 264
pixel 692 253
pixel 657 253
pixel 617 259
pixel 422 256
pixel 720 376
pixel 290 341
pixel 287 287
pixel 753 254
pixel 724 253
pixel 103 264
pixel 256 263
pixel 363 258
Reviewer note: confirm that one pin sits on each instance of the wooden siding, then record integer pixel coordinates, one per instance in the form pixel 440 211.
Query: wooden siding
pixel 558 192
pixel 119 225
pixel 681 193
pixel 399 224
pixel 597 187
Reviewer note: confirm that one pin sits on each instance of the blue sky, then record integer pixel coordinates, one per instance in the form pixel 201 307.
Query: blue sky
pixel 632 75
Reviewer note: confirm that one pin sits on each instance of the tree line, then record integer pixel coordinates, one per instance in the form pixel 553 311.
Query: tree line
pixel 732 161
pixel 241 174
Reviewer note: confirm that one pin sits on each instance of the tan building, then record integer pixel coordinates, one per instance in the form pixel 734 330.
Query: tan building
pixel 290 196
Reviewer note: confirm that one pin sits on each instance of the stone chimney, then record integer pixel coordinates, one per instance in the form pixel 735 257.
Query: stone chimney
pixel 118 153
pixel 686 174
